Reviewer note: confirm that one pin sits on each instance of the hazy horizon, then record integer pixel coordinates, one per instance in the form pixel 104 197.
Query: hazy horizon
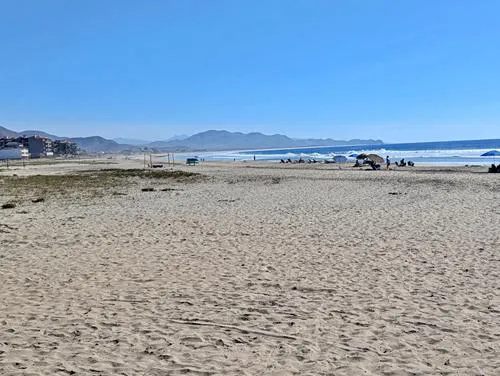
pixel 396 71
pixel 269 134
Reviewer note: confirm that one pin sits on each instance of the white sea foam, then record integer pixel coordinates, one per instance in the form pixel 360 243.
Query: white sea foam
pixel 436 157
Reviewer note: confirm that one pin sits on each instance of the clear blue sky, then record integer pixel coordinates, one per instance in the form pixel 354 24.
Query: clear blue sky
pixel 400 70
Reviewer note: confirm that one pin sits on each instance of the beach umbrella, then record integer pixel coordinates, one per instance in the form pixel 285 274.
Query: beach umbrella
pixel 353 155
pixel 340 159
pixel 375 158
pixel 491 153
pixel 361 156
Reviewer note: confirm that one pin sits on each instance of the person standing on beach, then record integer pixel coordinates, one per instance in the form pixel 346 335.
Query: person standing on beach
pixel 387 162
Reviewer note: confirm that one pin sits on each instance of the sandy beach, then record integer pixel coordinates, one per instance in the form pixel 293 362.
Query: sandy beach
pixel 249 269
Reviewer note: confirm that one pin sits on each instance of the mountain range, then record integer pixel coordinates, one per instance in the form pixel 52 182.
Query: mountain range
pixel 133 141
pixel 211 140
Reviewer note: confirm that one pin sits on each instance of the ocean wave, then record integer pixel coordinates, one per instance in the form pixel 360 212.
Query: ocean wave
pixel 464 153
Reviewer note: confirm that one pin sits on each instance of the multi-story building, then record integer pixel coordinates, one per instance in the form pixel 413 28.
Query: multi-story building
pixel 40 147
pixel 4 141
pixel 64 147
pixel 13 150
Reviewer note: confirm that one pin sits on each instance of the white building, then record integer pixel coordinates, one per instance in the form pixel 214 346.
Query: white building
pixel 14 153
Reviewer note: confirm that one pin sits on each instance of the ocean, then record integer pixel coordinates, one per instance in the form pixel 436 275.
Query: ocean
pixel 467 152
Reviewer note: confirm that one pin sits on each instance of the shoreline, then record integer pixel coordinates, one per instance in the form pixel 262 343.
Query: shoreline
pixel 136 162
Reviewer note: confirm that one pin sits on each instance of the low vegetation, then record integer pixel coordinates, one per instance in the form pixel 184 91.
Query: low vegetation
pixel 50 162
pixel 93 183
pixel 148 174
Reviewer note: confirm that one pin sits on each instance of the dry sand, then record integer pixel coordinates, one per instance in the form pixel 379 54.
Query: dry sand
pixel 257 269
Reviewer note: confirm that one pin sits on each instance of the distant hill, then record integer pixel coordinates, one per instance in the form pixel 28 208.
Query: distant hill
pixel 209 140
pixel 220 140
pixel 130 141
pixel 151 144
pixel 224 140
pixel 162 143
pixel 177 137
pixel 94 144
pixel 97 144
pixel 30 133
pixel 4 132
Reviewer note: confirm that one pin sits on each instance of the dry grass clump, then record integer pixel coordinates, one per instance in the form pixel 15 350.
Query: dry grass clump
pixel 91 183
pixel 51 162
pixel 148 174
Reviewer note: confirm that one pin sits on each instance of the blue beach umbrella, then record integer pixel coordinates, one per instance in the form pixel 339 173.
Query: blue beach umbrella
pixel 491 153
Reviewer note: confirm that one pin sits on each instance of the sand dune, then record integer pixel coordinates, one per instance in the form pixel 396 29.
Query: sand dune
pixel 256 269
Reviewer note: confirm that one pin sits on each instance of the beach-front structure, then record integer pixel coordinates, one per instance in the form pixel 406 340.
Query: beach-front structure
pixel 13 150
pixel 64 147
pixel 38 147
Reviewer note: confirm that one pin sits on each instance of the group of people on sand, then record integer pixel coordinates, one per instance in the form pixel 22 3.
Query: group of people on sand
pixel 376 166
pixel 494 169
pixel 372 164
pixel 290 161
pixel 300 160
pixel 402 163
